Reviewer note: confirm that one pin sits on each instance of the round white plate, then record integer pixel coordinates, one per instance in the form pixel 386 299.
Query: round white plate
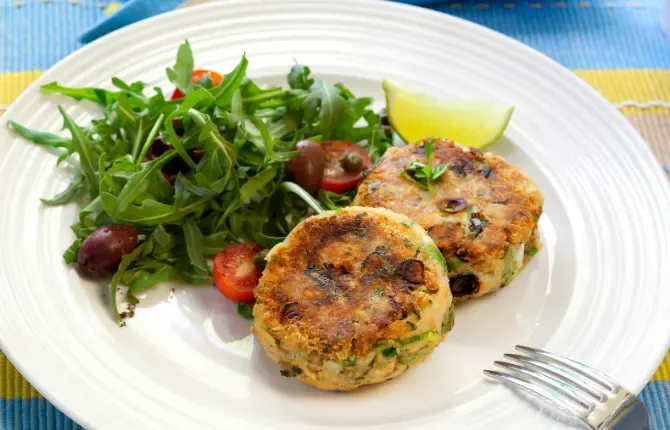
pixel 597 292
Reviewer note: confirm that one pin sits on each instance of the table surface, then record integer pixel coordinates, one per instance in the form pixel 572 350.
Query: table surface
pixel 617 46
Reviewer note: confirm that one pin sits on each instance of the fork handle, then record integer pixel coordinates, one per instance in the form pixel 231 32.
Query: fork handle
pixel 628 413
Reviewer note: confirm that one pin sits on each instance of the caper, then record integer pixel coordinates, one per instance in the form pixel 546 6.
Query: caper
pixel 259 259
pixel 352 162
pixel 477 225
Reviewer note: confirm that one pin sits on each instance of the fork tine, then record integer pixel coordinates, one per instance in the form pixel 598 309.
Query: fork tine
pixel 536 390
pixel 558 387
pixel 603 380
pixel 571 378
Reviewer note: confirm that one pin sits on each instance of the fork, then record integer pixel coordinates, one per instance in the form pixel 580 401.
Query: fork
pixel 595 399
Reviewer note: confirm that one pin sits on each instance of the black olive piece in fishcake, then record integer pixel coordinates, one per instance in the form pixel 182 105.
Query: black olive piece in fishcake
pixel 351 298
pixel 482 212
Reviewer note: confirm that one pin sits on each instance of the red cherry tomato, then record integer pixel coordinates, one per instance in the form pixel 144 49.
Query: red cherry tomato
pixel 235 273
pixel 197 75
pixel 335 177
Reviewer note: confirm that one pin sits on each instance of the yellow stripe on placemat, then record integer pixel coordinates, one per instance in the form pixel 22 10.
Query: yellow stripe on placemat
pixel 112 7
pixel 616 85
pixel 12 83
pixel 663 371
pixel 12 384
pixel 641 86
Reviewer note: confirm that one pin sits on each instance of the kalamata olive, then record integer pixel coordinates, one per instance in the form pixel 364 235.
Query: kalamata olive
pixel 453 205
pixel 307 168
pixel 178 126
pixel 462 285
pixel 102 250
pixel 177 164
pixel 291 373
pixel 462 168
pixel 411 270
pixel 158 148
pixel 288 311
pixel 352 162
pixel 197 154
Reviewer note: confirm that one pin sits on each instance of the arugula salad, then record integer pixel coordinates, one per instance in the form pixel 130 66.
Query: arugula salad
pixel 221 168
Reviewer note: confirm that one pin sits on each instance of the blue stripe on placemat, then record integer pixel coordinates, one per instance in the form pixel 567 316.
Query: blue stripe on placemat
pixel 38 34
pixel 580 34
pixel 33 414
pixel 39 414
pixel 656 396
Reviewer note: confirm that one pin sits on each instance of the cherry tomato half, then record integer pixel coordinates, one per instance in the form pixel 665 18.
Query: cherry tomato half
pixel 335 177
pixel 235 273
pixel 197 75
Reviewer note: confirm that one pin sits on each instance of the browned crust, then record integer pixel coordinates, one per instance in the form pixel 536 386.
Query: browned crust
pixel 342 284
pixel 495 191
pixel 533 246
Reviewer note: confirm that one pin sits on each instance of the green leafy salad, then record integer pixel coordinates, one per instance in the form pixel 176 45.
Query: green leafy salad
pixel 166 182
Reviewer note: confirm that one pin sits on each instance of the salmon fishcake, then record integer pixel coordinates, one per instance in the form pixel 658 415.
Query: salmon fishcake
pixel 351 298
pixel 482 212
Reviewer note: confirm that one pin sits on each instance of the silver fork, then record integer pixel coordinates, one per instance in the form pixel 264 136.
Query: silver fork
pixel 594 399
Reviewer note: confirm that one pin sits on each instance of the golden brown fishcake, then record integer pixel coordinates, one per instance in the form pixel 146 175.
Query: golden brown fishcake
pixel 344 287
pixel 480 213
pixel 344 278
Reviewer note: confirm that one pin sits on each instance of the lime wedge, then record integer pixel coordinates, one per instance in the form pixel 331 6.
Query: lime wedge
pixel 475 123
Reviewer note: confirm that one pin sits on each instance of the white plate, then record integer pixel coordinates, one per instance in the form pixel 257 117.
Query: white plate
pixel 598 292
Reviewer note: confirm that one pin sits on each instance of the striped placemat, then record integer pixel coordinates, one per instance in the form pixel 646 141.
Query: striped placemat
pixel 616 46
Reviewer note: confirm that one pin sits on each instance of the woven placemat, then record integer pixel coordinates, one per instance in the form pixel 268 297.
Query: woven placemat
pixel 614 45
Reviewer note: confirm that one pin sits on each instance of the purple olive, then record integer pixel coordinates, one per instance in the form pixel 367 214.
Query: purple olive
pixel 411 270
pixel 306 169
pixel 178 126
pixel 157 148
pixel 453 205
pixel 464 284
pixel 288 311
pixel 102 250
pixel 177 164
